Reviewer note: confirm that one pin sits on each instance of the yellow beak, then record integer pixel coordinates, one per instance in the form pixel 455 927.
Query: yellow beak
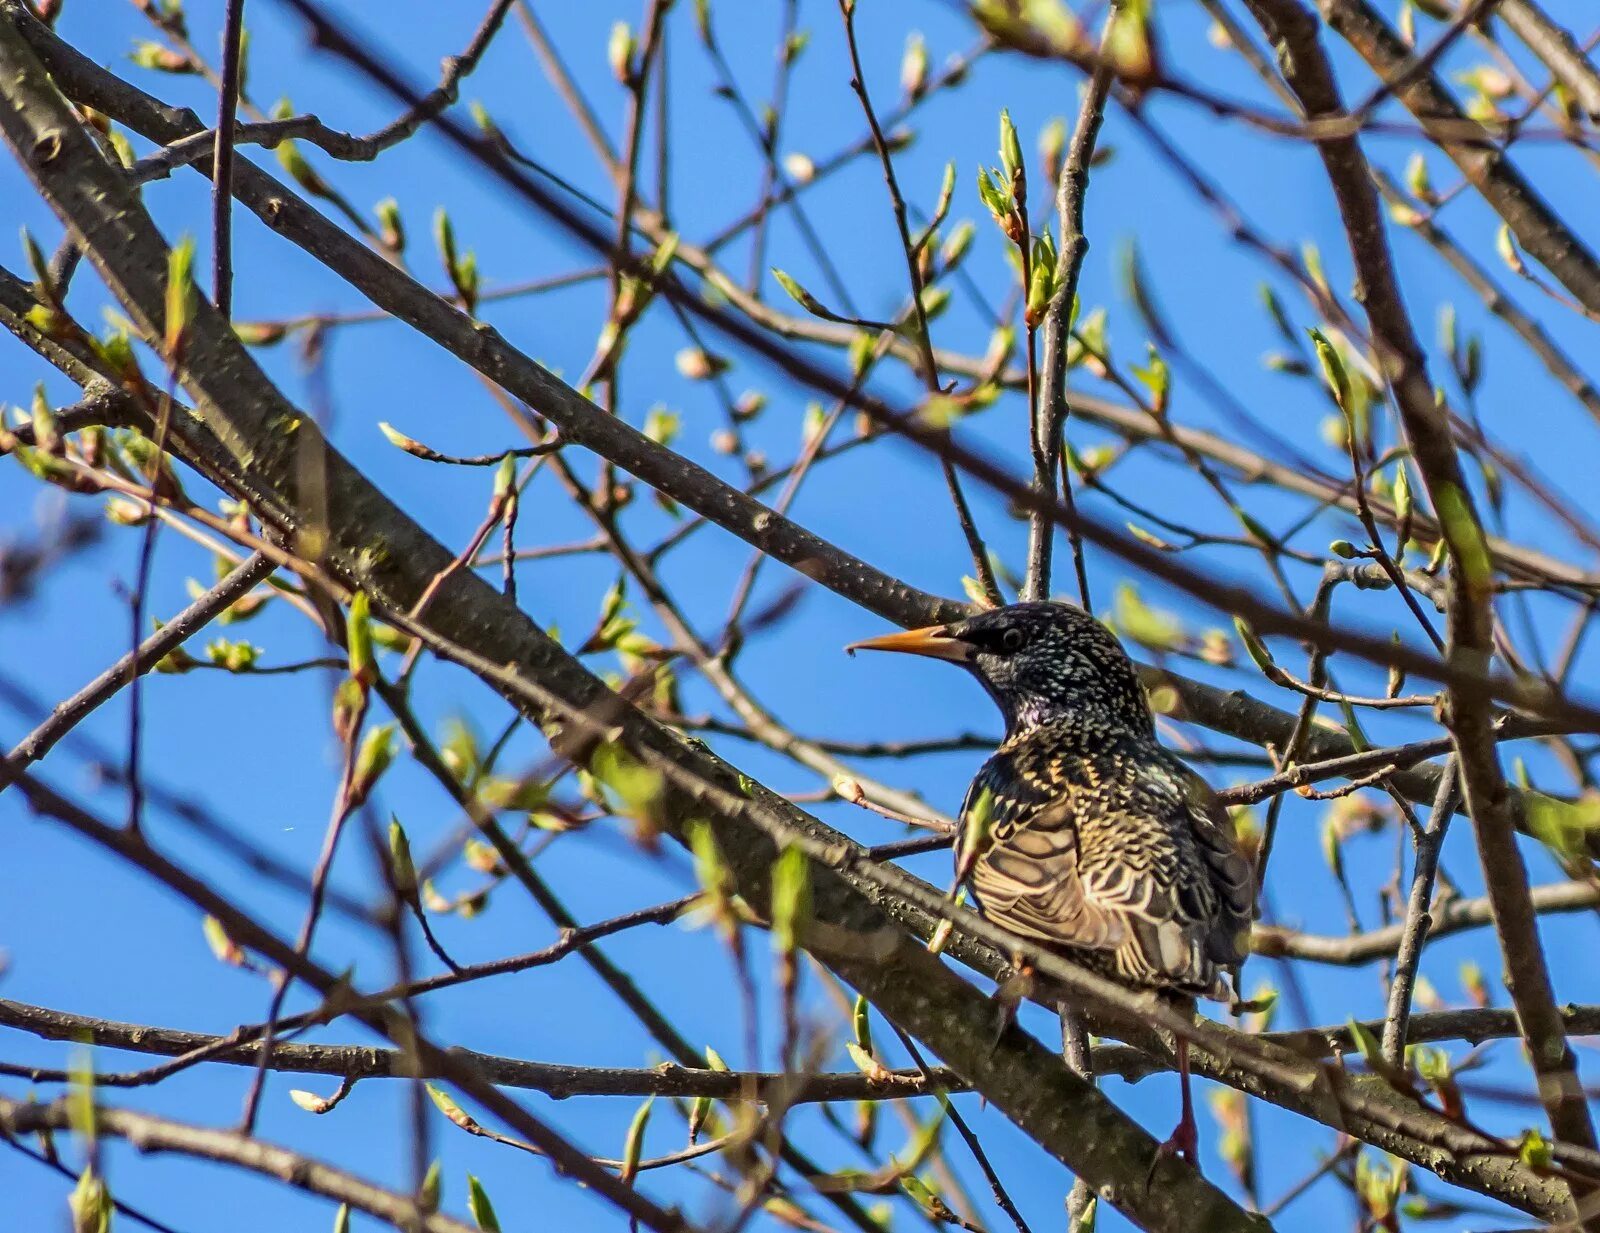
pixel 934 641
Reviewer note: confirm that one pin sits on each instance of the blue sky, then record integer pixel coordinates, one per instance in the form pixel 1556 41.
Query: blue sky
pixel 84 935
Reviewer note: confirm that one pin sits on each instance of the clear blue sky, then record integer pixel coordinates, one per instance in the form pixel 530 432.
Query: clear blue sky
pixel 84 935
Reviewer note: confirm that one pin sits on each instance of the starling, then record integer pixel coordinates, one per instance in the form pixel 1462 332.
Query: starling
pixel 1101 843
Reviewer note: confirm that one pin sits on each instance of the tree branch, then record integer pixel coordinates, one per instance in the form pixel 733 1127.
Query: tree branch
pixel 152 650
pixel 149 1133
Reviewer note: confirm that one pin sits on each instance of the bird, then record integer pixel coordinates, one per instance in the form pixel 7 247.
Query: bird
pixel 1094 839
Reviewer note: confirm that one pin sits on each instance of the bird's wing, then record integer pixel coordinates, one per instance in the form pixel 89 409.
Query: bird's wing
pixel 1027 880
pixel 1105 861
pixel 1230 870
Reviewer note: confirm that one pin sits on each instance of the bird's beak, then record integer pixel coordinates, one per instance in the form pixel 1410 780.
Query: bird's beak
pixel 935 641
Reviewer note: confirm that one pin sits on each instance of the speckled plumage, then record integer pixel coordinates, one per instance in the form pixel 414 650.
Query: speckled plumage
pixel 1101 842
pixel 1104 844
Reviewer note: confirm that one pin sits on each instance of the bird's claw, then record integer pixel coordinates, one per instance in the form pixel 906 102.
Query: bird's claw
pixel 1008 995
pixel 1184 1141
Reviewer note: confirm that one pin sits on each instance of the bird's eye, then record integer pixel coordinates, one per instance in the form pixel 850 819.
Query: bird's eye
pixel 1012 639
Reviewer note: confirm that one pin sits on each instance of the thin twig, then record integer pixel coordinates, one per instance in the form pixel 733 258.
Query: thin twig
pixel 205 608
pixel 1419 915
pixel 1052 410
pixel 222 159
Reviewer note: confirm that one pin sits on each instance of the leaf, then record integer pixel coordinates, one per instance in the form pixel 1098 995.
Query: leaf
pixel 405 872
pixel 480 1207
pixel 865 1062
pixel 914 66
pixel 975 829
pixel 1372 1051
pixel 1157 378
pixel 861 1022
pixel 1533 1149
pixel 662 426
pixel 1149 627
pixel 1365 1041
pixel 1565 827
pixel 1010 146
pixel 451 1110
pixel 801 296
pixel 222 946
pixel 633 1146
pixel 90 1202
pixel 432 1188
pixel 1333 369
pixel 373 758
pixel 180 293
pixel 791 898
pixel 996 199
pixel 1464 536
pixel 1507 248
pixel 973 590
pixel 1253 644
pixel 309 1101
pixel 358 638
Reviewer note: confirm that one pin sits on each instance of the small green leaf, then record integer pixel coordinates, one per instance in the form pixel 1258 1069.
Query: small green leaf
pixel 996 199
pixel 480 1207
pixel 861 1023
pixel 391 228
pixel 1566 828
pixel 800 295
pixel 373 758
pixel 1464 535
pixel 1010 146
pixel 791 898
pixel 1533 1149
pixel 1333 369
pixel 1253 644
pixel 1365 1041
pixel 976 825
pixel 620 52
pixel 90 1202
pixel 80 1096
pixel 633 1146
pixel 914 66
pixel 405 873
pixel 432 1188
pixel 358 638
pixel 180 293
pixel 1507 248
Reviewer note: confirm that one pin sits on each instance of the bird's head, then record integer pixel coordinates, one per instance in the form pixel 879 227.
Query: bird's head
pixel 1040 662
